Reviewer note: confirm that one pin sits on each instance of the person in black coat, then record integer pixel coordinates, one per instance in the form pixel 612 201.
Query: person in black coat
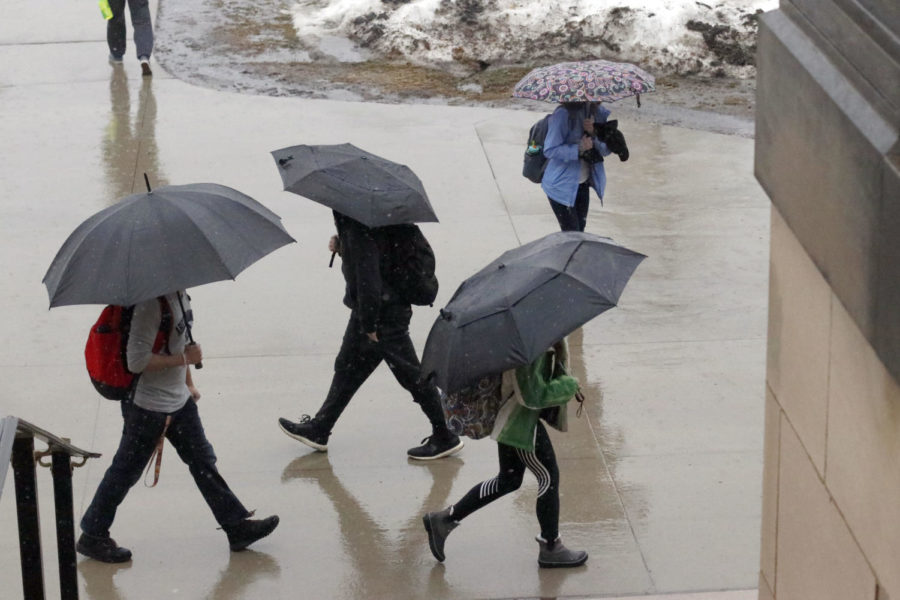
pixel 378 330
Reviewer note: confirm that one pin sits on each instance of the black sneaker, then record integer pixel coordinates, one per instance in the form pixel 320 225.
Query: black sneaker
pixel 145 68
pixel 439 525
pixel 104 549
pixel 248 531
pixel 435 446
pixel 306 431
pixel 553 555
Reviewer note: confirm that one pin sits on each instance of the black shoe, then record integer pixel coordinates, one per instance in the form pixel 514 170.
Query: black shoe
pixel 306 431
pixel 435 446
pixel 553 555
pixel 248 531
pixel 145 68
pixel 438 525
pixel 104 549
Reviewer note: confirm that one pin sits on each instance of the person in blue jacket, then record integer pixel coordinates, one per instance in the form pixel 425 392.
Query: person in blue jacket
pixel 574 162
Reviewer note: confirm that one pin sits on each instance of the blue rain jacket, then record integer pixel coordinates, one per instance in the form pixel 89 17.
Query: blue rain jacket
pixel 563 171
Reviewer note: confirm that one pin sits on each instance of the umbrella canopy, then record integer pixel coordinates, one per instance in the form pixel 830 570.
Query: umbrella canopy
pixel 373 190
pixel 515 308
pixel 151 244
pixel 585 81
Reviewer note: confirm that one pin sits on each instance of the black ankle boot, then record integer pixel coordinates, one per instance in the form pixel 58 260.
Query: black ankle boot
pixel 104 549
pixel 244 533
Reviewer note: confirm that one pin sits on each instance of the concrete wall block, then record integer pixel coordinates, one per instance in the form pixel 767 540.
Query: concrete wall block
pixel 864 448
pixel 886 338
pixel 817 555
pixel 770 489
pixel 866 50
pixel 765 590
pixel 820 150
pixel 799 330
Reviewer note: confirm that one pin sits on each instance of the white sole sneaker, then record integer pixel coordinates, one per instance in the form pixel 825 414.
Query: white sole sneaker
pixel 307 441
pixel 447 452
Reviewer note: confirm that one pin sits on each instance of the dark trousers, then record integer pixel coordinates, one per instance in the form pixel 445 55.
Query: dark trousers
pixel 513 462
pixel 573 218
pixel 140 22
pixel 359 356
pixel 140 434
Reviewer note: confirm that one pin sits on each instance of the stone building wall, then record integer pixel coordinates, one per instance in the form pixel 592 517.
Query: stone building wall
pixel 827 154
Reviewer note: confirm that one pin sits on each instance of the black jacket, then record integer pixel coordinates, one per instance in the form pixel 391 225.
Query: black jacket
pixel 361 251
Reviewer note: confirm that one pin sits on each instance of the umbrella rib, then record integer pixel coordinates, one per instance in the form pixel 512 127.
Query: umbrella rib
pixel 235 232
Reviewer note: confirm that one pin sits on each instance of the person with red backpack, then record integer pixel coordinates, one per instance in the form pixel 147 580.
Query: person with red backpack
pixel 378 331
pixel 162 404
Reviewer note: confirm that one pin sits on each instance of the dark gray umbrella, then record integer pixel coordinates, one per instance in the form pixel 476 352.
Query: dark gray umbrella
pixel 148 245
pixel 515 308
pixel 373 190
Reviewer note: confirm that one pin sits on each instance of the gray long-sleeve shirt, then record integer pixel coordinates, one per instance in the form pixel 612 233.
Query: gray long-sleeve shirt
pixel 164 390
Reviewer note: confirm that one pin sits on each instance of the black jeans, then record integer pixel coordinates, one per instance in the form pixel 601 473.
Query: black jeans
pixel 513 462
pixel 359 356
pixel 573 218
pixel 140 433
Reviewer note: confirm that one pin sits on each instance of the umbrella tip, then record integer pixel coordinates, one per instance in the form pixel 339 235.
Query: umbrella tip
pixel 286 160
pixel 445 314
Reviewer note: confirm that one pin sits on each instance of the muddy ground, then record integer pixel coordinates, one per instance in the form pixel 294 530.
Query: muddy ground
pixel 237 46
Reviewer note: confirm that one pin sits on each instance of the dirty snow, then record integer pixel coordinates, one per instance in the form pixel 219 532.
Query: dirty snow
pixel 716 37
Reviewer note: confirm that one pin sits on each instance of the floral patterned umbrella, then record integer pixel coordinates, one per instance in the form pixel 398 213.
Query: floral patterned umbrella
pixel 585 81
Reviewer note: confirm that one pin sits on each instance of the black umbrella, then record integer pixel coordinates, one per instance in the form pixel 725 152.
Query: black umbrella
pixel 515 308
pixel 152 244
pixel 373 190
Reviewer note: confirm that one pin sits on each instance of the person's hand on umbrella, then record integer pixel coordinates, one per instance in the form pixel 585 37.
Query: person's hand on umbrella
pixel 586 143
pixel 589 125
pixel 373 335
pixel 334 244
pixel 193 354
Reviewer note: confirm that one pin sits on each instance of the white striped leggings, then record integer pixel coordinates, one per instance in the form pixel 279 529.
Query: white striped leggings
pixel 513 461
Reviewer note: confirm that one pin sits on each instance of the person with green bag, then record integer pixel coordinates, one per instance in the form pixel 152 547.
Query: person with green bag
pixel 531 394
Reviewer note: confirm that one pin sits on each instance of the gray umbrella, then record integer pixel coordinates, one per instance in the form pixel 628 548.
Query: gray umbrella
pixel 148 245
pixel 515 308
pixel 373 190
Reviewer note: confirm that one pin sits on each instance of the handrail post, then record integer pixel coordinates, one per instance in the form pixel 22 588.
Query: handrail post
pixel 65 525
pixel 24 472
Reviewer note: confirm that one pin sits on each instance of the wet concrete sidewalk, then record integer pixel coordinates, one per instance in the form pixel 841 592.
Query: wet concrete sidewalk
pixel 661 475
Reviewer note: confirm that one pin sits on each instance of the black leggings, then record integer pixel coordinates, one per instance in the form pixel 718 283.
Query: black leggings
pixel 513 461
pixel 573 218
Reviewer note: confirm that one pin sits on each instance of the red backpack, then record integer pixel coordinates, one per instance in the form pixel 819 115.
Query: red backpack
pixel 107 345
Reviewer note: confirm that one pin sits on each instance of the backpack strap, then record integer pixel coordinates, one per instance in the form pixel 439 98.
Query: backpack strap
pixel 165 327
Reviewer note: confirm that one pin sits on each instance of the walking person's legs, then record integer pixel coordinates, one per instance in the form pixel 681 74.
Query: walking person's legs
pixel 513 462
pixel 115 30
pixel 356 360
pixel 143 32
pixel 582 203
pixel 189 439
pixel 140 433
pixel 440 524
pixel 565 216
pixel 398 351
pixel 542 463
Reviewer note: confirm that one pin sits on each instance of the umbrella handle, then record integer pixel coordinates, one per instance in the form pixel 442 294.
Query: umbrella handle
pixel 198 365
pixel 331 262
pixel 191 341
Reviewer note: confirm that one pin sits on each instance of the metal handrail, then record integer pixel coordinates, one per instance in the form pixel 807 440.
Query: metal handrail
pixel 17 446
pixel 54 444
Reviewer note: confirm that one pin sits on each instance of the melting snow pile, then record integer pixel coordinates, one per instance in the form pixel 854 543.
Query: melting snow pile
pixel 717 37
